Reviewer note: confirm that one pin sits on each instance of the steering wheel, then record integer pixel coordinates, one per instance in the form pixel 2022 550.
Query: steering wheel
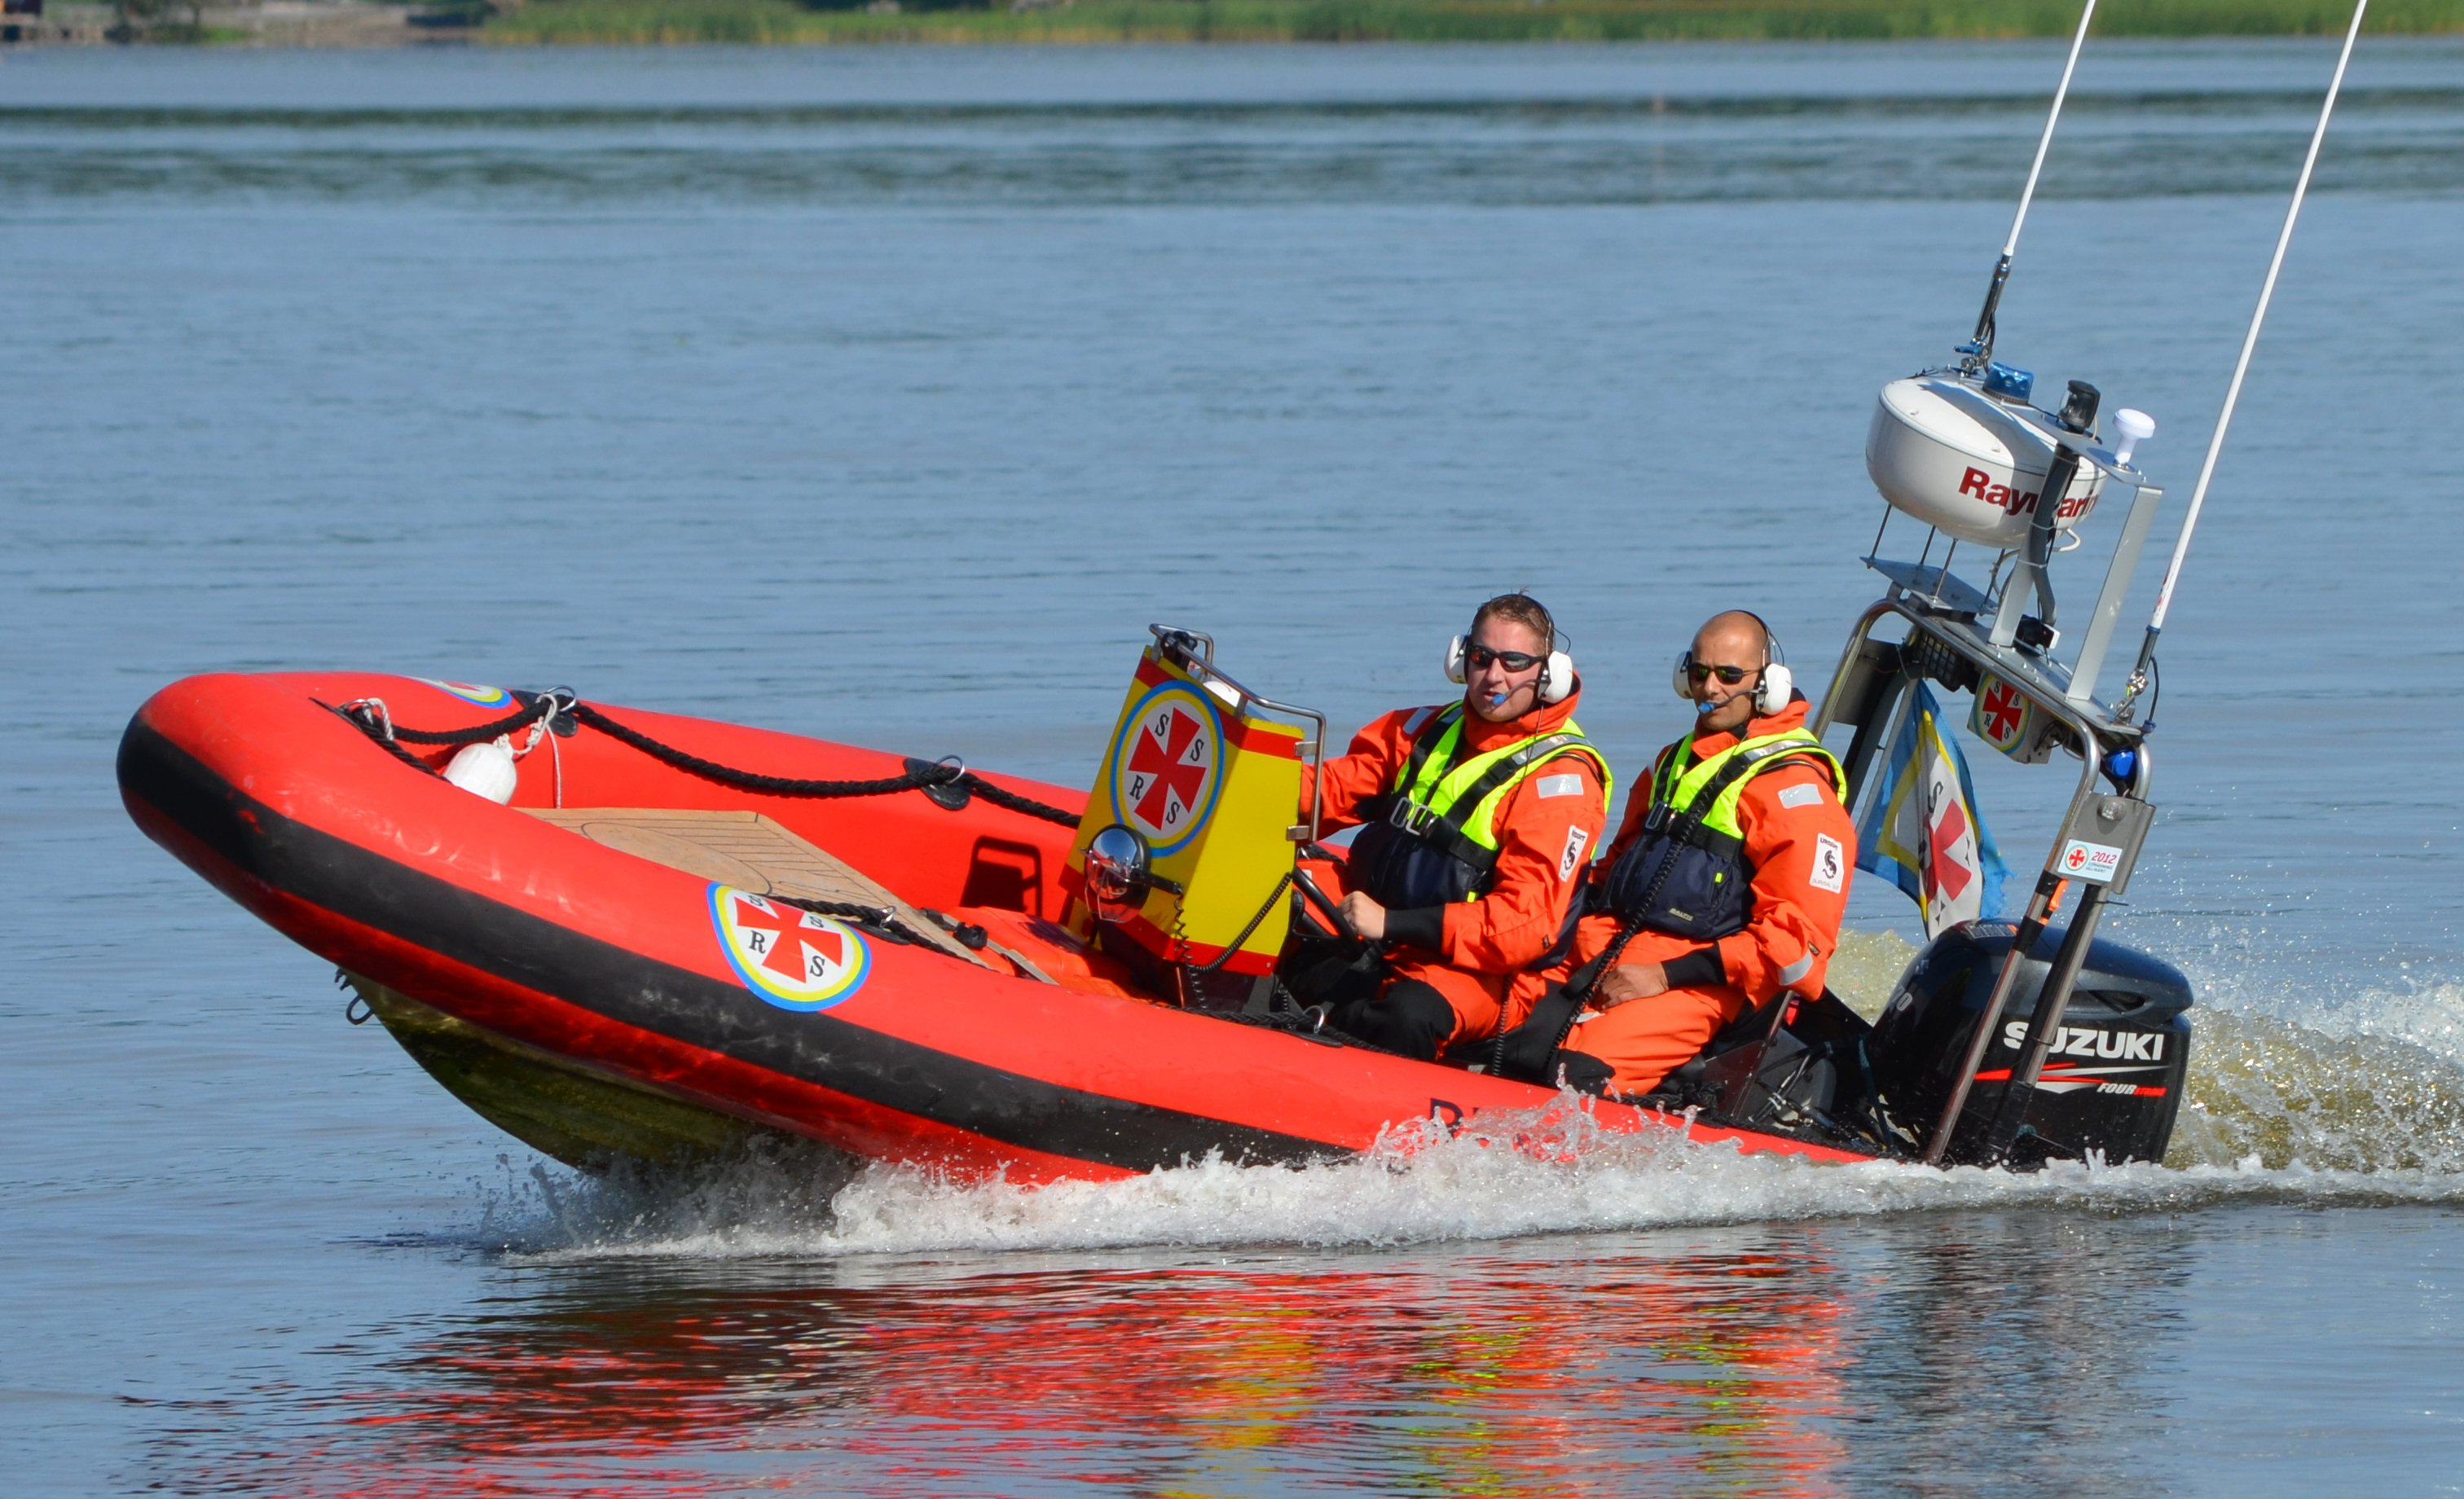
pixel 1313 895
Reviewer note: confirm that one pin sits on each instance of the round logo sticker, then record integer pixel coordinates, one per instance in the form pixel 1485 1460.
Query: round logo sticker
pixel 484 697
pixel 2001 712
pixel 1164 776
pixel 795 958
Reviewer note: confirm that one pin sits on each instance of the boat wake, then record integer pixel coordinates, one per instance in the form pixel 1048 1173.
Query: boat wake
pixel 2356 1103
pixel 2373 1083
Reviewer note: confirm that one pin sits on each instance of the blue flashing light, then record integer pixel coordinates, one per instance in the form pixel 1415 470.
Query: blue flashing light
pixel 2007 383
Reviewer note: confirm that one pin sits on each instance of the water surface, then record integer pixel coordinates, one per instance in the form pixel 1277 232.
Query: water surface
pixel 886 396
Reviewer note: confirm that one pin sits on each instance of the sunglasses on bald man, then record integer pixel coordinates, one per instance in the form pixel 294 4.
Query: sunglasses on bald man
pixel 1730 675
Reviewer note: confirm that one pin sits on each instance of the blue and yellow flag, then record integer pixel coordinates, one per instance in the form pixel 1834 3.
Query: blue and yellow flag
pixel 1924 830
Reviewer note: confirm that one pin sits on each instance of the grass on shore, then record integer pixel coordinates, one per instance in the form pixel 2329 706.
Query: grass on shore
pixel 635 21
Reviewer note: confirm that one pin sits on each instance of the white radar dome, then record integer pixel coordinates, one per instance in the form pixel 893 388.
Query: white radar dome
pixel 1956 458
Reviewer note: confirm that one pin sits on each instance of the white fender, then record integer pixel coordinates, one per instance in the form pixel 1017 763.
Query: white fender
pixel 484 770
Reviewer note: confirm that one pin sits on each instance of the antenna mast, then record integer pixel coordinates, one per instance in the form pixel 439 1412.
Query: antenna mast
pixel 1978 350
pixel 2241 368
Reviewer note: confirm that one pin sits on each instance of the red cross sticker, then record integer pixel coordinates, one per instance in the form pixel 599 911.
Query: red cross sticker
pixel 781 937
pixel 1164 770
pixel 1946 875
pixel 2002 712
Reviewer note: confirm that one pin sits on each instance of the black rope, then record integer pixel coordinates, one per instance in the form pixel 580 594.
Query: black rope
pixel 891 922
pixel 753 781
pixel 1012 801
pixel 885 919
pixel 401 754
pixel 521 719
pixel 392 736
pixel 844 910
pixel 1226 955
pixel 934 775
pixel 362 718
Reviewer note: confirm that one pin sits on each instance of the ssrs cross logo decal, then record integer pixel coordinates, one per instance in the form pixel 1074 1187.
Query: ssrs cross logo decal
pixel 795 958
pixel 1164 768
pixel 2001 715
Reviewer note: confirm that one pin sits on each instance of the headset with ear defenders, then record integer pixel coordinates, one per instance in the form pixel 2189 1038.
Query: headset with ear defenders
pixel 1771 694
pixel 1556 673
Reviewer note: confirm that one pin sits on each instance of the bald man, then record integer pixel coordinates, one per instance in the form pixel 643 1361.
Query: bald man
pixel 1724 887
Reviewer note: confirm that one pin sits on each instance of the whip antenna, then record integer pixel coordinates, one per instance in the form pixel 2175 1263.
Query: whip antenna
pixel 1979 348
pixel 2241 368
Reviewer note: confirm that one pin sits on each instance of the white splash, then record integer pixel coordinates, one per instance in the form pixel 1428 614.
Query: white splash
pixel 2358 1100
pixel 1417 1187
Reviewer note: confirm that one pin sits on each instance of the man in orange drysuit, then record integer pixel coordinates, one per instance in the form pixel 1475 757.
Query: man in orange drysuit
pixel 1476 816
pixel 1725 887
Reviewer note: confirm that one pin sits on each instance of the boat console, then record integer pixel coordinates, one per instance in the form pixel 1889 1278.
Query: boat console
pixel 1187 846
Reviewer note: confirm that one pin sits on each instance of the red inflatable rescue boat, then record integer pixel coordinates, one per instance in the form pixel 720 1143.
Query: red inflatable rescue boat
pixel 675 933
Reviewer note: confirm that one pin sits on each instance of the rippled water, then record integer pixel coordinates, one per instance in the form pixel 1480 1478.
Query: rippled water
pixel 978 130
pixel 885 395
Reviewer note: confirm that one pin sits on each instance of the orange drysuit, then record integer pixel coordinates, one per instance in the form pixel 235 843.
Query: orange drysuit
pixel 1545 827
pixel 1801 845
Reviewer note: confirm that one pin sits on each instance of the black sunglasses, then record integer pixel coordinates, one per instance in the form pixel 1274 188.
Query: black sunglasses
pixel 1479 657
pixel 1730 675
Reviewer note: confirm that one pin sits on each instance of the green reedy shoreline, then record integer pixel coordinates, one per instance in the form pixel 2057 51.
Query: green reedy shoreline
pixel 1097 21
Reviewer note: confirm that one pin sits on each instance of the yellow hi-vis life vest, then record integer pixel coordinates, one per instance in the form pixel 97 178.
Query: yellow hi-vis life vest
pixel 1676 784
pixel 1687 874
pixel 1435 839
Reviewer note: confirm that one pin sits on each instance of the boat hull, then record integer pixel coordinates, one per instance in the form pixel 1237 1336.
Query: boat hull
pixel 583 1116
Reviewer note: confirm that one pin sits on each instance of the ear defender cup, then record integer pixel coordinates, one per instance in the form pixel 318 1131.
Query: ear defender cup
pixel 1455 660
pixel 1779 685
pixel 1678 678
pixel 1557 677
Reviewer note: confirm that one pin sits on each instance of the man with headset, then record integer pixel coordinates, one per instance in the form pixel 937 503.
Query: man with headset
pixel 1475 817
pixel 1725 887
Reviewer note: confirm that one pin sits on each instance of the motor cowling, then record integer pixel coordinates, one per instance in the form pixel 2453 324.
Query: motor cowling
pixel 2113 1079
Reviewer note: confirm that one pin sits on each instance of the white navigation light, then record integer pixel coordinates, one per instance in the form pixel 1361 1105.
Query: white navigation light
pixel 2133 426
pixel 1957 459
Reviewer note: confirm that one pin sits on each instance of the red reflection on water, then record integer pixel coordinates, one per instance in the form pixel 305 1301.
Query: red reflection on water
pixel 1712 1372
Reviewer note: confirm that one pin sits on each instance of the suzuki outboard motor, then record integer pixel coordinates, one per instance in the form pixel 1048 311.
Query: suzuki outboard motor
pixel 2112 1077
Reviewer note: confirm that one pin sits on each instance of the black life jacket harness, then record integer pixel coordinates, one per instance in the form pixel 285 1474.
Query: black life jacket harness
pixel 1687 875
pixel 1430 838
